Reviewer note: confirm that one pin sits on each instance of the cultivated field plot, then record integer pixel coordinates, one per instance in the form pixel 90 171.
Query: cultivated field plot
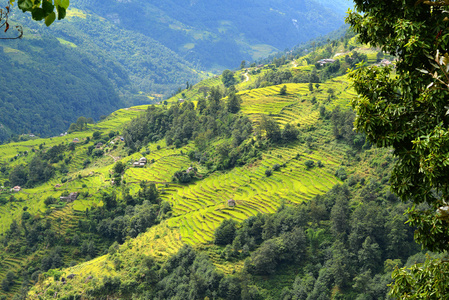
pixel 199 208
pixel 296 107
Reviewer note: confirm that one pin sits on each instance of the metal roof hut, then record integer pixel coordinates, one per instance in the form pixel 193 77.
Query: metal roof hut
pixel 70 198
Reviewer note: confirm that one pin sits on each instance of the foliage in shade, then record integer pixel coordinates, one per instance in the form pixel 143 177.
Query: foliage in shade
pixel 408 112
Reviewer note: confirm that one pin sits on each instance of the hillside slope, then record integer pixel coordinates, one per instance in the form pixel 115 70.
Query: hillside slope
pixel 117 202
pixel 82 66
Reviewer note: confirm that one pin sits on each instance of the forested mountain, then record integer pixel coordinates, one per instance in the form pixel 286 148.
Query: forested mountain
pixel 47 85
pixel 219 34
pixel 83 66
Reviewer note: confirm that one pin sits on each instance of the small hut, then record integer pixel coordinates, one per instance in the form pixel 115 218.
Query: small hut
pixel 231 203
pixel 16 189
pixel 141 162
pixel 70 198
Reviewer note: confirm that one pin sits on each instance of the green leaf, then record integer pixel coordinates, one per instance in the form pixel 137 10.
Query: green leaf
pixel 38 14
pixel 61 12
pixel 48 7
pixel 50 18
pixel 25 5
pixel 64 3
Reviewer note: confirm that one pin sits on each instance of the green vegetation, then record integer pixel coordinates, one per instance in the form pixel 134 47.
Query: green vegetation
pixel 44 11
pixel 408 112
pixel 108 69
pixel 217 187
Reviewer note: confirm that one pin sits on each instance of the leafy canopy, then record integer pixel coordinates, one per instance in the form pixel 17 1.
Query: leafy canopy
pixel 408 111
pixel 44 9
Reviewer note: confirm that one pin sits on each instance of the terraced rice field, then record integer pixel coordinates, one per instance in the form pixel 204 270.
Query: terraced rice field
pixel 200 207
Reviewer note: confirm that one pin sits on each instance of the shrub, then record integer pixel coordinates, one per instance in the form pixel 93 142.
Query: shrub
pixel 86 163
pixel 309 164
pixel 49 200
pixel 276 167
pixel 98 152
pixel 225 233
pixel 268 172
pixel 283 90
pixel 341 173
pixel 96 135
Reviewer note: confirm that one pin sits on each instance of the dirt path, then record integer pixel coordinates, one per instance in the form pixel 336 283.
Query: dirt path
pixel 114 158
pixel 247 76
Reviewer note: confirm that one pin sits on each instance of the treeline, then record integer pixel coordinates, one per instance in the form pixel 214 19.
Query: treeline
pixel 127 217
pixel 39 170
pixel 185 275
pixel 222 136
pixel 48 162
pixel 343 127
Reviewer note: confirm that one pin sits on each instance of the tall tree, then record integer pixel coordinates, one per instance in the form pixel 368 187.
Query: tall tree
pixel 409 113
pixel 228 78
pixel 234 103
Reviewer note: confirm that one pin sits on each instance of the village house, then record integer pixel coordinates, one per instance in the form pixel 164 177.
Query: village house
pixel 190 169
pixel 181 100
pixel 231 203
pixel 16 189
pixel 99 145
pixel 76 140
pixel 325 61
pixel 385 62
pixel 70 198
pixel 141 162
